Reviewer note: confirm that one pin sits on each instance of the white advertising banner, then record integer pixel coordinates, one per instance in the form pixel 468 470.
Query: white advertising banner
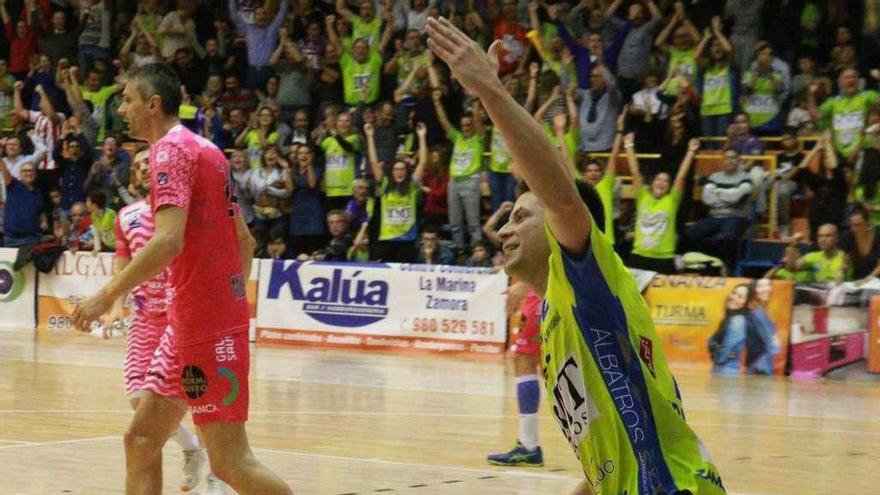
pixel 17 303
pixel 382 306
pixel 76 276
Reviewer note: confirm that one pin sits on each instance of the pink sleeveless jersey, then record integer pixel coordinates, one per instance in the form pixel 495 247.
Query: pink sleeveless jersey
pixel 134 227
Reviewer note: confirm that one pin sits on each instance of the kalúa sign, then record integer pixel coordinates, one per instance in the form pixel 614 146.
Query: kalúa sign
pixel 378 305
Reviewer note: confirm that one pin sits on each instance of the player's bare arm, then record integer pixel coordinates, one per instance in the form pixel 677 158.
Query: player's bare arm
pixel 538 162
pixel 246 245
pixel 157 254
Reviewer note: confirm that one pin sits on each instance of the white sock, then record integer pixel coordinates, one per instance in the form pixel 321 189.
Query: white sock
pixel 528 430
pixel 186 439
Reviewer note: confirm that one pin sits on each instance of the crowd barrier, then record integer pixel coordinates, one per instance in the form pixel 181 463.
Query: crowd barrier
pixel 378 306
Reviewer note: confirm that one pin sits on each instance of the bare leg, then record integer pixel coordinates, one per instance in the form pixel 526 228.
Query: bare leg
pixel 233 462
pixel 155 419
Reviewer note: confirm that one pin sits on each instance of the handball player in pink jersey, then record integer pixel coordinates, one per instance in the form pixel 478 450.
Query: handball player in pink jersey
pixel 202 238
pixel 134 227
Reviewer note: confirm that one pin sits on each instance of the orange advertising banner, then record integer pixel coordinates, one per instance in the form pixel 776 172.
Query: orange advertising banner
pixel 874 337
pixel 688 310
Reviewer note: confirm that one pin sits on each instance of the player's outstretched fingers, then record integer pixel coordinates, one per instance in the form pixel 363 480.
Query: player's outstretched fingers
pixel 442 38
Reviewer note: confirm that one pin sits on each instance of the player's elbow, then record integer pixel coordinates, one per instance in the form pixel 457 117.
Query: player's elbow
pixel 172 245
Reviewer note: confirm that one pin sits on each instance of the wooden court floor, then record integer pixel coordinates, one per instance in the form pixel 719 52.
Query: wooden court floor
pixel 338 422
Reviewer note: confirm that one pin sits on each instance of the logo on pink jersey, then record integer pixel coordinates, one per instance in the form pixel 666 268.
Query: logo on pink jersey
pixel 195 383
pixel 162 178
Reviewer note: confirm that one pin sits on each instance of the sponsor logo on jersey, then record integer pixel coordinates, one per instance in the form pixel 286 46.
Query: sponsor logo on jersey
pixel 232 396
pixel 205 409
pixel 572 405
pixel 348 297
pixel 162 178
pixel 195 383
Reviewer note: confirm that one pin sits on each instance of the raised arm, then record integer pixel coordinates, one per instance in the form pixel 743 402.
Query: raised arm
pixel 532 94
pixel 372 154
pixel 701 47
pixel 343 10
pixel 718 31
pixel 537 161
pixel 629 144
pixel 387 34
pixel 663 37
pixel 17 104
pixel 437 95
pixel 684 168
pixel 422 134
pixel 478 118
pixel 234 14
pixel 332 35
pixel 4 172
pixel 573 120
pixel 279 17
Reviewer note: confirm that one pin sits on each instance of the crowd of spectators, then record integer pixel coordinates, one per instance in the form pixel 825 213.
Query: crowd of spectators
pixel 349 141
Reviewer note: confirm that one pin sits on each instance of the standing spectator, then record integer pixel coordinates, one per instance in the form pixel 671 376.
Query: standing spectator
pixel 307 219
pixel 260 133
pixel 717 81
pixel 746 15
pixel 361 67
pixel 385 134
pixel 22 38
pixel 789 159
pixel 463 199
pixel 57 41
pixel 234 96
pixel 398 201
pixel 367 25
pixel 178 30
pixel 25 218
pixel 261 39
pixel 598 112
pixel 190 70
pixel 103 221
pixel 314 45
pixel 828 184
pixel 139 50
pixel 241 175
pixel 502 183
pixel 341 148
pixel 515 48
pixel 73 156
pixel 657 207
pixel 410 56
pixel 681 52
pixel 359 204
pixel 638 31
pixel 14 160
pixel 95 35
pixel 328 84
pixel 764 92
pixel 98 95
pixel 435 187
pixel 47 128
pixel 268 187
pixel 845 114
pixel 108 173
pixel 293 76
pixel 727 194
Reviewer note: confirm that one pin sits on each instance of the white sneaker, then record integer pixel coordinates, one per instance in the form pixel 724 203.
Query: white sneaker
pixel 214 486
pixel 193 462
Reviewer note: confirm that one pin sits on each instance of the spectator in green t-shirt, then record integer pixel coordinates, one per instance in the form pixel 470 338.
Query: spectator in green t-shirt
pixel 367 25
pixel 656 210
pixel 828 264
pixel 463 195
pixel 361 66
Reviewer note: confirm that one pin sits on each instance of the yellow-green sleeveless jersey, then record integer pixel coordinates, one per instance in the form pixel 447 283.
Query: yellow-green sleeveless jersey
pixel 609 384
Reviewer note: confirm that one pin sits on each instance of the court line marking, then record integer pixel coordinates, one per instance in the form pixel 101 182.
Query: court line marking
pixel 58 442
pixel 376 460
pixel 444 415
pixel 16 442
